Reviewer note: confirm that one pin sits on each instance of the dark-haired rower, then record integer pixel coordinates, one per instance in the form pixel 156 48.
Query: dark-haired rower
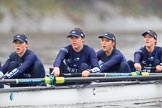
pixel 112 60
pixel 79 58
pixel 23 63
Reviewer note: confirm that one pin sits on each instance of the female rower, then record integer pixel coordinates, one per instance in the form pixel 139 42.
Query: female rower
pixel 79 58
pixel 112 59
pixel 149 57
pixel 22 63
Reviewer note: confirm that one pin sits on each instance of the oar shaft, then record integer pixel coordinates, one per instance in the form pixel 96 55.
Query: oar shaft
pixel 113 79
pixel 22 81
pixel 96 74
pixel 145 67
pixel 107 74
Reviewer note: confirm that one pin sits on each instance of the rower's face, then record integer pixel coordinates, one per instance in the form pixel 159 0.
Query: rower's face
pixel 149 40
pixel 76 42
pixel 107 44
pixel 20 47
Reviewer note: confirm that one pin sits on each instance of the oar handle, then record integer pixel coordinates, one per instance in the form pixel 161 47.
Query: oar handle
pixel 22 81
pixel 71 74
pixel 147 67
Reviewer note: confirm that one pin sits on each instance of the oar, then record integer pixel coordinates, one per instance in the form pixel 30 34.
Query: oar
pixel 61 80
pixel 95 74
pixel 113 79
pixel 105 74
pixel 22 81
pixel 109 74
pixel 145 67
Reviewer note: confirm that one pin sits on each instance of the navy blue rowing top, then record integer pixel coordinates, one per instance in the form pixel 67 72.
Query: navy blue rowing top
pixel 147 59
pixel 29 66
pixel 74 59
pixel 116 62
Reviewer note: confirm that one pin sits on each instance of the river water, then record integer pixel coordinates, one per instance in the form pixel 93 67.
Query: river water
pixel 46 46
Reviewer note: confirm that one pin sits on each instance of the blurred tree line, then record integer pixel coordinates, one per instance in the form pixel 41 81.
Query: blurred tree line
pixel 30 13
pixel 127 7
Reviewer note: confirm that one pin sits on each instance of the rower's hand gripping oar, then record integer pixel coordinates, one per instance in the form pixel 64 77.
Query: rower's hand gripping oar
pixel 144 72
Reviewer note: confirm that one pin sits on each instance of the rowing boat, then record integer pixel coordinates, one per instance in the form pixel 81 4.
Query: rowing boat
pixel 95 92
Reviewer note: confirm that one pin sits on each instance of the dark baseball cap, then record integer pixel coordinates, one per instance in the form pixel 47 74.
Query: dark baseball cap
pixel 21 37
pixel 108 36
pixel 76 33
pixel 151 33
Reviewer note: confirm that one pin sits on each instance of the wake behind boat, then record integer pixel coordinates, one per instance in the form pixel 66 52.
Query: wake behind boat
pixel 119 88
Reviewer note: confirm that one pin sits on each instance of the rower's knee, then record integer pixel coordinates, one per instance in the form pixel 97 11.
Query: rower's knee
pixel 83 67
pixel 131 65
pixel 124 68
pixel 13 65
pixel 1 86
pixel 38 70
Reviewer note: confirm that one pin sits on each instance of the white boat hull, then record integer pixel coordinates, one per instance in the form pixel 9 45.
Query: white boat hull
pixel 106 92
